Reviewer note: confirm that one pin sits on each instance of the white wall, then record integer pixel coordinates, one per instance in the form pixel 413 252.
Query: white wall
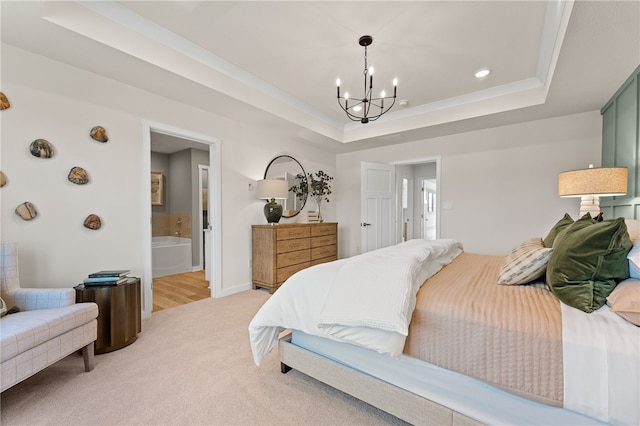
pixel 502 181
pixel 59 103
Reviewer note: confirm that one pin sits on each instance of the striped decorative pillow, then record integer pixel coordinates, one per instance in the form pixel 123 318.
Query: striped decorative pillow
pixel 525 263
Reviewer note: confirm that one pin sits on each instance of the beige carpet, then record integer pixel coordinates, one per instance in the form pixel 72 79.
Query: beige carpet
pixel 191 365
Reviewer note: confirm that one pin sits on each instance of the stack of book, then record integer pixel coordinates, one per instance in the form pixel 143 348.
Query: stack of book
pixel 308 216
pixel 113 277
pixel 312 216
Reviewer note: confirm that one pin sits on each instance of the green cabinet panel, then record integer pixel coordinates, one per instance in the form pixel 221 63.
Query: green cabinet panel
pixel 621 146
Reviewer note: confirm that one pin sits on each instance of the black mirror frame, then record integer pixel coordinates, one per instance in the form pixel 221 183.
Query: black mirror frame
pixel 304 173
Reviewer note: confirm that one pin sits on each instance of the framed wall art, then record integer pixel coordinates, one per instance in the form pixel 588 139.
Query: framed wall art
pixel 156 188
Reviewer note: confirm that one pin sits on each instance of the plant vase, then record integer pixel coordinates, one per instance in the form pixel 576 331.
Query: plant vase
pixel 319 203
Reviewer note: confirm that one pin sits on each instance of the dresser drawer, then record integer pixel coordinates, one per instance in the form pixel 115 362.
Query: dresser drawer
pixel 319 230
pixel 280 250
pixel 324 251
pixel 284 246
pixel 326 240
pixel 283 273
pixel 293 232
pixel 324 260
pixel 293 258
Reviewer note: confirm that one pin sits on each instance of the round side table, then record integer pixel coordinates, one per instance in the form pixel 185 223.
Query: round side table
pixel 119 313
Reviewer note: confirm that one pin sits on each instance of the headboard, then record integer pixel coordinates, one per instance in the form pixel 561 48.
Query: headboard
pixel 621 146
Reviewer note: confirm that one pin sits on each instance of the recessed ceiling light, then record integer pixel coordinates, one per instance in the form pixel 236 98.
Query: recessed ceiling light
pixel 481 73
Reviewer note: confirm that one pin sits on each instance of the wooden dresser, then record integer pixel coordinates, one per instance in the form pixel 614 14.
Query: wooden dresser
pixel 280 250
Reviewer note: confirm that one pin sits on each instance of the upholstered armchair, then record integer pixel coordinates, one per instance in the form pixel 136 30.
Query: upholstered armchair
pixel 48 326
pixel 27 299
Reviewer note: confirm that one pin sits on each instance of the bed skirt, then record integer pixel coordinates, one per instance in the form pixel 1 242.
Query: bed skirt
pixel 436 396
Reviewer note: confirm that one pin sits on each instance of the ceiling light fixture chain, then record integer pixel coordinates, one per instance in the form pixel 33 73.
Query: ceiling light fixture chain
pixel 364 105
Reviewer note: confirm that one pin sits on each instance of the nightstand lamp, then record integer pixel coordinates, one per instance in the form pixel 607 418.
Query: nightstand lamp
pixel 592 183
pixel 272 189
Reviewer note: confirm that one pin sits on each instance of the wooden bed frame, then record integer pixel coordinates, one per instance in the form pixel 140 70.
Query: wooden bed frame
pixel 394 400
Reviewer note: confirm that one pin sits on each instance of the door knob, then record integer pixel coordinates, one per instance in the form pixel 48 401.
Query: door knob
pixel 365 224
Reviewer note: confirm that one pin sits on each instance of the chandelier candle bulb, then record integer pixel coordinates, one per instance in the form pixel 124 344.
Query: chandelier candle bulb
pixel 361 109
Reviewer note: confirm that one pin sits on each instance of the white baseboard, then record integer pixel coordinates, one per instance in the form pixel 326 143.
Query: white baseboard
pixel 236 289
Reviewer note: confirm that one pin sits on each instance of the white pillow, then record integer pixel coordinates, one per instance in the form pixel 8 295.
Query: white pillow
pixel 525 263
pixel 633 227
pixel 634 261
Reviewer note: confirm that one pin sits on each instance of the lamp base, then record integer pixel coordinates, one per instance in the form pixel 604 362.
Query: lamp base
pixel 273 211
pixel 590 204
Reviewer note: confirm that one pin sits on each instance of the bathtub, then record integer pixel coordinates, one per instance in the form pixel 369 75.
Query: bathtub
pixel 170 255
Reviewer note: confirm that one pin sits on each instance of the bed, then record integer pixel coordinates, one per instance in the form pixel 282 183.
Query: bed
pixel 450 345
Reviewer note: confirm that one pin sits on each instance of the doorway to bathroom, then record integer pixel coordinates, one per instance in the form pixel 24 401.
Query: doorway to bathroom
pixel 178 217
pixel 183 244
pixel 418 206
pixel 176 290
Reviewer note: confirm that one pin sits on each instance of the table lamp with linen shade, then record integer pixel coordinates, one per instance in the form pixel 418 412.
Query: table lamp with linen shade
pixel 592 183
pixel 272 190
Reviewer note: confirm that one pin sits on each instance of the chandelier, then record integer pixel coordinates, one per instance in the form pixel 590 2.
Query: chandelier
pixel 367 108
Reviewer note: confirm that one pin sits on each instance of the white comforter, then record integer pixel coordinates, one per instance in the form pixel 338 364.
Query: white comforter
pixel 366 300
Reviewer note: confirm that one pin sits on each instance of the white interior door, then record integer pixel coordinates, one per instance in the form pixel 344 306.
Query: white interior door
pixel 205 249
pixel 429 203
pixel 377 205
pixel 405 230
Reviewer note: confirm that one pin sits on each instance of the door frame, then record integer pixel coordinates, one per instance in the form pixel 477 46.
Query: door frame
pixel 215 212
pixel 413 162
pixel 203 235
pixel 423 228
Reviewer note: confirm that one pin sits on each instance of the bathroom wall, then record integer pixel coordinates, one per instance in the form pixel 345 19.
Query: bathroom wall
pixel 171 224
pixel 179 214
pixel 160 214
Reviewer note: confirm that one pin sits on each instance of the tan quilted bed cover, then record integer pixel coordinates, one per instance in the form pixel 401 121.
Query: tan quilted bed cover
pixel 507 336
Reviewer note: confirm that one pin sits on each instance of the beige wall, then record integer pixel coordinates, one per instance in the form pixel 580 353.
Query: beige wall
pixel 60 103
pixel 502 181
pixel 171 224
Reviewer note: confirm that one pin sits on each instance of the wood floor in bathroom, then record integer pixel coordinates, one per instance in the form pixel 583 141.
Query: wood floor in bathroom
pixel 179 289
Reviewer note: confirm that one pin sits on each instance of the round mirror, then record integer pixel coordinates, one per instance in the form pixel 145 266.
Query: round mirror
pixel 288 168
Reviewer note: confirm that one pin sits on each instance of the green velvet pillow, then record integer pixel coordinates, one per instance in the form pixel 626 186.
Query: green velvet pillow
pixel 559 226
pixel 589 258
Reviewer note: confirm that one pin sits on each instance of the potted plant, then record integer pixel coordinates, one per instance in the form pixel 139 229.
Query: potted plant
pixel 318 185
pixel 301 188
